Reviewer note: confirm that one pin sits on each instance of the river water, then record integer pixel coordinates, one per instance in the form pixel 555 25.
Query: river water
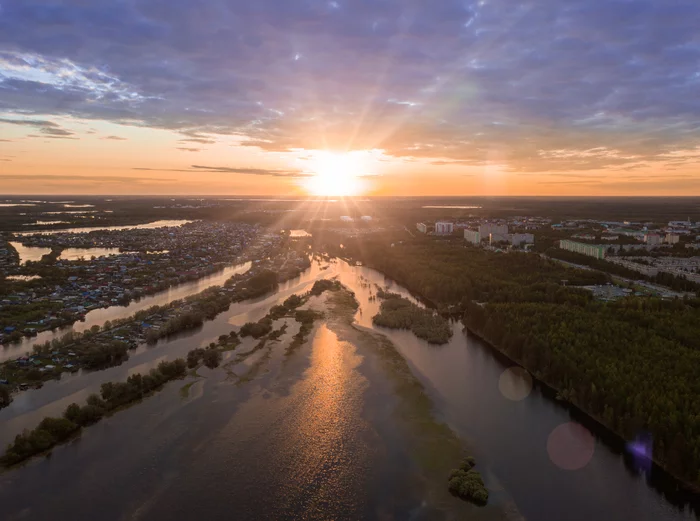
pixel 146 226
pixel 290 435
pixel 99 316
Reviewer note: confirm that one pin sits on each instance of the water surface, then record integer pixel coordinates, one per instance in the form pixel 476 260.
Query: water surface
pixel 97 317
pixel 275 448
pixel 146 226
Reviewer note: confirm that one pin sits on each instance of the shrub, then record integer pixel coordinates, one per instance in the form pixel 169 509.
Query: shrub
pixel 467 484
pixel 212 358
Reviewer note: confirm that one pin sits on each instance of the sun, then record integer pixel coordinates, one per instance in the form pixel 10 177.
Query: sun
pixel 336 174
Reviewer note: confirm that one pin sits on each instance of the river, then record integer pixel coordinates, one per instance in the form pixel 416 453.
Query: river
pixel 97 317
pixel 173 456
pixel 146 226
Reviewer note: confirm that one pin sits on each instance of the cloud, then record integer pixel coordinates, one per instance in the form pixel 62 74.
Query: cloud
pixel 234 170
pixel 115 138
pixel 56 132
pixel 92 180
pixel 461 82
pixel 29 122
pixel 47 128
pixel 186 149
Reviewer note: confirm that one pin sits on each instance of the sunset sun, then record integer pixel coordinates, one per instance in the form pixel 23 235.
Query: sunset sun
pixel 336 174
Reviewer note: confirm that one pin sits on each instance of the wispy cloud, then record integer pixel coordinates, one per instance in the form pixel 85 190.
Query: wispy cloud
pixel 613 85
pixel 81 178
pixel 234 170
pixel 115 138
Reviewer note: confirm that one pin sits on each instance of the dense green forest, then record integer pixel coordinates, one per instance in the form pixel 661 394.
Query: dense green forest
pixel 632 363
pixel 397 312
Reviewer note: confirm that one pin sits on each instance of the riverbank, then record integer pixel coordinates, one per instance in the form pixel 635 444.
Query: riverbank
pixel 436 450
pixel 104 347
pixel 690 493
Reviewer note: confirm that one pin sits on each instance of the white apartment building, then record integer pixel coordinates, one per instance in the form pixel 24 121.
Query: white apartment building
pixel 444 228
pixel 472 236
pixel 518 239
pixel 653 239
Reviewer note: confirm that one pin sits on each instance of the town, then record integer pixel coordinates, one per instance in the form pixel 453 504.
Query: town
pixel 53 292
pixel 639 253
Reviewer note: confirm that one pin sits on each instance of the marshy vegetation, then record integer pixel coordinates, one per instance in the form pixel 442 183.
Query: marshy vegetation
pixel 397 312
pixel 466 483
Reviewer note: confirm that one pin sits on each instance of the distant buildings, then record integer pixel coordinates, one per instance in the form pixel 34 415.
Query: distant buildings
pixel 366 218
pixel 346 218
pixel 444 228
pixel 653 239
pixel 472 236
pixel 672 238
pixel 422 227
pixel 591 250
pixel 681 224
pixel 518 239
pixel 494 232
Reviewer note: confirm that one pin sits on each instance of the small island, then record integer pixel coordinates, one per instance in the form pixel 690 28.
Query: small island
pixel 466 483
pixel 397 312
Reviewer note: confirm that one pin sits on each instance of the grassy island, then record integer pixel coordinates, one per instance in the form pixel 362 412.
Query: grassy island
pixel 397 312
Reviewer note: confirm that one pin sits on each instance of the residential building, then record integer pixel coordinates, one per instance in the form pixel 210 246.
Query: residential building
pixel 444 228
pixel 499 230
pixel 672 238
pixel 472 236
pixel 591 250
pixel 518 239
pixel 653 239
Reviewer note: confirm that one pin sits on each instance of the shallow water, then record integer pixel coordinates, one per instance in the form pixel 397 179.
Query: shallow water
pixel 100 316
pixel 146 226
pixel 292 440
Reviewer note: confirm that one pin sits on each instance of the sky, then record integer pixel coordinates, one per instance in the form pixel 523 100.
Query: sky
pixel 384 97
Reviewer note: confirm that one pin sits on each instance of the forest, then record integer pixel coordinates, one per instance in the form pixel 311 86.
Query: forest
pixel 631 364
pixel 396 312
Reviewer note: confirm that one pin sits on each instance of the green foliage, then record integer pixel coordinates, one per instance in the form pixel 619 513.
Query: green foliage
pixel 396 312
pixel 306 316
pixel 52 431
pixel 5 396
pixel 194 357
pixel 293 302
pixel 264 280
pixel 212 358
pixel 106 355
pixel 256 329
pixel 632 364
pixel 277 312
pixel 324 285
pixel 467 484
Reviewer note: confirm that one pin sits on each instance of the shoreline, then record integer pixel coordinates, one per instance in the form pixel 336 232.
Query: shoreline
pixel 688 488
pixel 436 448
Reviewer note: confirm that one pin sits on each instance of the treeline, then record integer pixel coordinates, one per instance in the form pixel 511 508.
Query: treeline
pixel 396 312
pixel 634 370
pixel 53 431
pixel 632 363
pixel 451 275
